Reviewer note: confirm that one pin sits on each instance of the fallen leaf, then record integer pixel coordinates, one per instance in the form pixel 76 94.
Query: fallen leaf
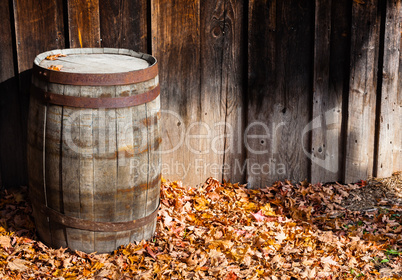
pixel 19 265
pixel 5 241
pixel 55 67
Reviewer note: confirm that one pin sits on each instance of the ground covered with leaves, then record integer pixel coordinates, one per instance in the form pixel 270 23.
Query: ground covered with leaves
pixel 226 231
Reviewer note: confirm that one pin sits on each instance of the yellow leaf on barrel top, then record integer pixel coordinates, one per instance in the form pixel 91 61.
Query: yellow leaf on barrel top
pixel 55 56
pixel 55 67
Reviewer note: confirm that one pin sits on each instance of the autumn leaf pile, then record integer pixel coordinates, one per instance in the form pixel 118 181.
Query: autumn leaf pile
pixel 224 231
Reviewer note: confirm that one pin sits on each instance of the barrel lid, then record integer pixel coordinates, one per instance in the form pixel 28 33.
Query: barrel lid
pixel 94 66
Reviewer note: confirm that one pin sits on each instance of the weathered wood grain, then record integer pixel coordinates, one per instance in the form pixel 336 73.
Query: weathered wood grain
pixel 84 23
pixel 397 152
pixel 176 43
pixel 154 160
pixel 222 58
pixel 324 152
pixel 38 27
pixel 124 24
pixel 12 169
pixel 105 172
pixel 71 162
pixel 279 87
pixel 53 165
pixel 362 91
pixel 330 70
pixel 36 170
pixel 339 76
pixel 125 176
pixel 388 116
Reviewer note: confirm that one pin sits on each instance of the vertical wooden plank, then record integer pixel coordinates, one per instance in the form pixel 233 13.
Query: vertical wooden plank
pixel 12 159
pixel 38 27
pixel 330 69
pixel 222 55
pixel 362 90
pixel 388 119
pixel 123 24
pixel 322 158
pixel 279 89
pixel 83 23
pixel 176 44
pixel 398 131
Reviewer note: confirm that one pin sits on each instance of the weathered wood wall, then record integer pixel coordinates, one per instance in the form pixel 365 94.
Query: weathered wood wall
pixel 252 91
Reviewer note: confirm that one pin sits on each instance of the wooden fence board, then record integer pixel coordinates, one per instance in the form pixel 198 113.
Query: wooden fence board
pixel 38 28
pixel 176 44
pixel 330 69
pixel 362 91
pixel 323 153
pixel 12 171
pixel 388 118
pixel 397 152
pixel 83 23
pixel 123 24
pixel 279 85
pixel 222 87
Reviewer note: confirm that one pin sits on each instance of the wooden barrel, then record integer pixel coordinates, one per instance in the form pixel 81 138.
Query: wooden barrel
pixel 93 147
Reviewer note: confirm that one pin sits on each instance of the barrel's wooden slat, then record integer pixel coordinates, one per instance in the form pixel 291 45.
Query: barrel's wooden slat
pixel 87 206
pixel 154 177
pixel 36 174
pixel 71 166
pixel 105 172
pixel 140 160
pixel 125 178
pixel 54 189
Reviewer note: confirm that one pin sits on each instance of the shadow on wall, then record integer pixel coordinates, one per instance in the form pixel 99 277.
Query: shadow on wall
pixel 13 124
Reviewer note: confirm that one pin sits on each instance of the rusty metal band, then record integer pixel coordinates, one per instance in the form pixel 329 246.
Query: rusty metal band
pixel 104 79
pixel 78 223
pixel 94 103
